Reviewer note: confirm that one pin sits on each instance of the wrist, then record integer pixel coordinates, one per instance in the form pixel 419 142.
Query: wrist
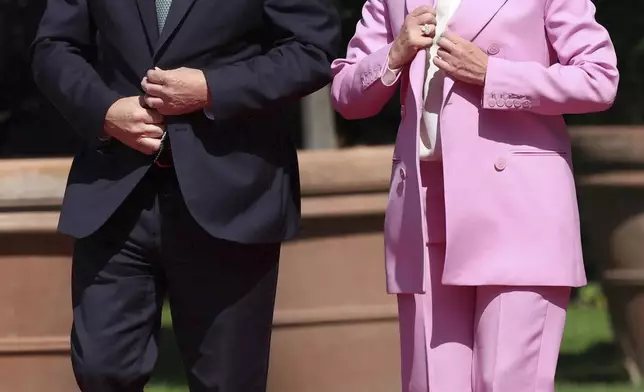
pixel 107 124
pixel 205 101
pixel 484 73
pixel 393 60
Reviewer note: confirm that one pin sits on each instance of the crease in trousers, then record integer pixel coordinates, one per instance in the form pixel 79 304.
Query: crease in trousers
pixel 220 293
pixel 476 339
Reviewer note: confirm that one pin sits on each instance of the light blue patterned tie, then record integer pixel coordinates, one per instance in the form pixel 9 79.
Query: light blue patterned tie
pixel 163 8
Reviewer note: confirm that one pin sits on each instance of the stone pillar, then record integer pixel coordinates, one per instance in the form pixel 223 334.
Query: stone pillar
pixel 318 121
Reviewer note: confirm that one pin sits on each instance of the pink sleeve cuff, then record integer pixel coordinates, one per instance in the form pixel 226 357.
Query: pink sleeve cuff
pixel 498 94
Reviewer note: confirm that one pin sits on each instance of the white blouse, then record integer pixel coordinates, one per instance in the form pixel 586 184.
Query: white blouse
pixel 433 88
pixel 429 148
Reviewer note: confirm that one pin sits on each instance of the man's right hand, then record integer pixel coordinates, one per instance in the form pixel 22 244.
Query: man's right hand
pixel 134 125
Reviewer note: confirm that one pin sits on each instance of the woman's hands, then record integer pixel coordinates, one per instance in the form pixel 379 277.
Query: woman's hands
pixel 461 59
pixel 458 57
pixel 412 36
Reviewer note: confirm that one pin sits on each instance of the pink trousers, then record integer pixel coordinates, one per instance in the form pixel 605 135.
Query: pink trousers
pixel 478 339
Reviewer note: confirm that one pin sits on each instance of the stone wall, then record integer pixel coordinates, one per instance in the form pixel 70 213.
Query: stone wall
pixel 335 328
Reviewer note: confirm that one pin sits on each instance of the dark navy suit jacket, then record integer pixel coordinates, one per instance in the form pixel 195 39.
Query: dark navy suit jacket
pixel 238 173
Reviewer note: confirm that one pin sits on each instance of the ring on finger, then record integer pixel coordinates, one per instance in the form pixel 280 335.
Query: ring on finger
pixel 426 29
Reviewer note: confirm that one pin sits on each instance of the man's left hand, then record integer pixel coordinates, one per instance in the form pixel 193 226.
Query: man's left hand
pixel 177 91
pixel 461 59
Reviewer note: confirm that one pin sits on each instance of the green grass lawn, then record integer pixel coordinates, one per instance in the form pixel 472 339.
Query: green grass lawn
pixel 589 359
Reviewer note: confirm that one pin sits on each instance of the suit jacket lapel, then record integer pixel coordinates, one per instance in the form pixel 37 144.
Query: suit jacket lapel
pixel 417 66
pixel 470 18
pixel 473 15
pixel 148 12
pixel 178 11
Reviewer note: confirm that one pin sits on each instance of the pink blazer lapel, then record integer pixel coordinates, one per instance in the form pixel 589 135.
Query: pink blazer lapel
pixel 468 21
pixel 472 16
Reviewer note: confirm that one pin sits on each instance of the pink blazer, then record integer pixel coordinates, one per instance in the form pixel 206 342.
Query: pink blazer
pixel 510 203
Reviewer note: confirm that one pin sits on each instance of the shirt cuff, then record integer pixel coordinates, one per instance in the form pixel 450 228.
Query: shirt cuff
pixel 103 136
pixel 390 76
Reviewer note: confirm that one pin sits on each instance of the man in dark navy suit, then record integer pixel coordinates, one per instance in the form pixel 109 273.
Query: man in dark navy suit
pixel 187 182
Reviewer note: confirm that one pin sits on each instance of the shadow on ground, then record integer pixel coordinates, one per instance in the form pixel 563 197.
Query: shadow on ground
pixel 601 362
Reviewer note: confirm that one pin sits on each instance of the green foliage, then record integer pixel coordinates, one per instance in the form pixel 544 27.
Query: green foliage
pixel 591 296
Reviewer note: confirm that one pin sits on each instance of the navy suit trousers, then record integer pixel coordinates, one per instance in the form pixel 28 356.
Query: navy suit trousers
pixel 221 295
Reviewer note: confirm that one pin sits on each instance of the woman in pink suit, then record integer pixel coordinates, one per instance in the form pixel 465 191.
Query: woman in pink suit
pixel 482 227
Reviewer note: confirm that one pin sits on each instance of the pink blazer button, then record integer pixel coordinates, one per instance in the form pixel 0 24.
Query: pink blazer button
pixel 493 49
pixel 402 173
pixel 500 164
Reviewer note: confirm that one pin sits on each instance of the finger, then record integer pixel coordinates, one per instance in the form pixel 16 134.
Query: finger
pixel 431 30
pixel 155 90
pixel 443 65
pixel 153 131
pixel 426 19
pixel 148 145
pixel 144 83
pixel 423 9
pixel 156 76
pixel 446 44
pixel 455 38
pixel 153 102
pixel 448 57
pixel 154 117
pixel 422 42
pixel 150 116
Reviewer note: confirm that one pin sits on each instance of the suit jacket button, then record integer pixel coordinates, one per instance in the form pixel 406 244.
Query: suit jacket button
pixel 500 164
pixel 402 173
pixel 493 49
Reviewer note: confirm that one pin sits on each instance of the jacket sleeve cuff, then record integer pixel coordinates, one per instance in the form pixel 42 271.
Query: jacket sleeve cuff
pixel 498 91
pixel 377 70
pixel 96 115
